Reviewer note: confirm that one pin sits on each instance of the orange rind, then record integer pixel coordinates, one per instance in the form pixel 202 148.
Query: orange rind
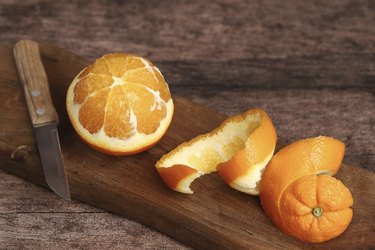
pixel 239 149
pixel 300 196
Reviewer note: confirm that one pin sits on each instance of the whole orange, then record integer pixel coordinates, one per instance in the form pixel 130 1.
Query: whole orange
pixel 298 194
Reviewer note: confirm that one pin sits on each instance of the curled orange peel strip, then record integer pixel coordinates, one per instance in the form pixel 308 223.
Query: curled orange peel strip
pixel 239 149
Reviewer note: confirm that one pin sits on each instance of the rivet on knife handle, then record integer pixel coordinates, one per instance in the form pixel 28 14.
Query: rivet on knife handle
pixel 35 83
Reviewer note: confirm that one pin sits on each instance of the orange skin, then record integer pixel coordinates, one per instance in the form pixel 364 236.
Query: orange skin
pixel 234 168
pixel 294 183
pixel 258 146
pixel 309 194
pixel 172 176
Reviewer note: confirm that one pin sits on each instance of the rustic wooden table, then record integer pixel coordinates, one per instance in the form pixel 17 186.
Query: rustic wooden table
pixel 309 64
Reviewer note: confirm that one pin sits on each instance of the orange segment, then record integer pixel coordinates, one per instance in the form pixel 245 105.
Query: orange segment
pixel 134 62
pixel 148 113
pixel 91 113
pixel 117 115
pixel 226 149
pixel 89 85
pixel 149 77
pixel 298 194
pixel 100 66
pixel 165 95
pixel 117 64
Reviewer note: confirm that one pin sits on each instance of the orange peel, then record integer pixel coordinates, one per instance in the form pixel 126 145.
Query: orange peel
pixel 299 194
pixel 239 149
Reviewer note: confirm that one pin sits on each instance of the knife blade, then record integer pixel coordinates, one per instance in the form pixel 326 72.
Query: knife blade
pixel 43 115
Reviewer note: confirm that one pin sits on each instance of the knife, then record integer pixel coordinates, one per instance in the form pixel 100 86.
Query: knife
pixel 43 115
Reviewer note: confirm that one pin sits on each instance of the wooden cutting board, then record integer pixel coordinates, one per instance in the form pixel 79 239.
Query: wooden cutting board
pixel 215 217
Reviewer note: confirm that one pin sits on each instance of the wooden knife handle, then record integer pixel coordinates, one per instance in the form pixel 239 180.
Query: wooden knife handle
pixel 35 83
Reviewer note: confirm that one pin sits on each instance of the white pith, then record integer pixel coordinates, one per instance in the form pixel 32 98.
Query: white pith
pixel 249 183
pixel 217 142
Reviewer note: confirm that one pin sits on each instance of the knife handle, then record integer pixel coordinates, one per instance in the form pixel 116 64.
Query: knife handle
pixel 35 83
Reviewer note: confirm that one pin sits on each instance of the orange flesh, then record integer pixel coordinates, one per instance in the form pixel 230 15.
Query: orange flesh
pixel 148 122
pixel 91 113
pixel 117 115
pixel 123 97
pixel 113 86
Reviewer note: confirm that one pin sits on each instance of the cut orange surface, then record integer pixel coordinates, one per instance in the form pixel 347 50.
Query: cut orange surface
pixel 120 104
pixel 238 149
pixel 300 196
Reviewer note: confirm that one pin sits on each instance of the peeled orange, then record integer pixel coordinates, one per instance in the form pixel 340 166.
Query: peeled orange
pixel 120 104
pixel 238 149
pixel 300 196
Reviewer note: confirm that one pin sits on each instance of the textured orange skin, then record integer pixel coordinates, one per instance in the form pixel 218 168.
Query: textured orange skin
pixel 237 166
pixel 307 193
pixel 258 146
pixel 174 175
pixel 303 158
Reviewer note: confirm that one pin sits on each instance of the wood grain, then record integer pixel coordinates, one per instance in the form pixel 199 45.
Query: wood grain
pixel 214 217
pixel 45 221
pixel 309 64
pixel 35 83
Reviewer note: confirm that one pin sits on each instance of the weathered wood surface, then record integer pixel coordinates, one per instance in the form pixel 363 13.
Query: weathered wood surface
pixel 214 217
pixel 309 64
